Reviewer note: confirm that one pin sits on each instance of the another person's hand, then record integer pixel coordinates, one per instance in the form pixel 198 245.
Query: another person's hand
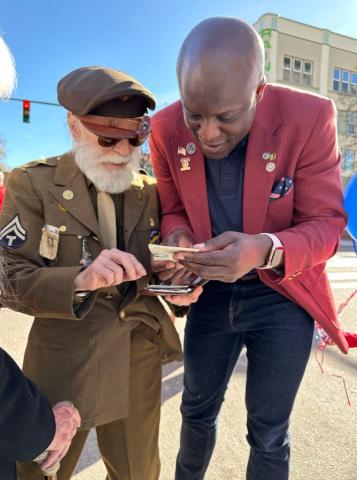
pixel 173 272
pixel 185 299
pixel 67 420
pixel 111 267
pixel 228 256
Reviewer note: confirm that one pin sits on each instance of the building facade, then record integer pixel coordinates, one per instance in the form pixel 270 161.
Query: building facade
pixel 320 61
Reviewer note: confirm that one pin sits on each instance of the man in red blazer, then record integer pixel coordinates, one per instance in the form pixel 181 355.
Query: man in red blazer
pixel 256 167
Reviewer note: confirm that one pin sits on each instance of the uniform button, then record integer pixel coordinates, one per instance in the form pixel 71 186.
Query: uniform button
pixel 108 296
pixel 122 314
pixel 63 228
pixel 227 177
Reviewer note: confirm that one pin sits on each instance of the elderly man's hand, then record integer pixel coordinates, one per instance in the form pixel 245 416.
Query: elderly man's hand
pixel 111 267
pixel 228 256
pixel 173 272
pixel 67 420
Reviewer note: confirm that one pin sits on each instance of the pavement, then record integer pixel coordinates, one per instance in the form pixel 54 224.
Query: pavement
pixel 323 425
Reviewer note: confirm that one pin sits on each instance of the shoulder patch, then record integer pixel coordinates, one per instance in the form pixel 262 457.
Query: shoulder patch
pixel 13 234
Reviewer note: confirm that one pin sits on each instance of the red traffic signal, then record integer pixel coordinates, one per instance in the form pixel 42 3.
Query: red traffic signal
pixel 26 110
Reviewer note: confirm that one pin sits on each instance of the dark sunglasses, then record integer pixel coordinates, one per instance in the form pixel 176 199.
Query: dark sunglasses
pixel 110 142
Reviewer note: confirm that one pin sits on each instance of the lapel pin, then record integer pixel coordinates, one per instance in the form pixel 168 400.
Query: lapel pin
pixel 190 148
pixel 269 156
pixel 152 222
pixel 68 194
pixel 270 167
pixel 181 151
pixel 185 164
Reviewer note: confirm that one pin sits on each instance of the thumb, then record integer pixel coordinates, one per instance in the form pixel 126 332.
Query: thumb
pixel 216 243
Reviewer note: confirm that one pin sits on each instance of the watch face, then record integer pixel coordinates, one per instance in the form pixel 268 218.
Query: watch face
pixel 277 256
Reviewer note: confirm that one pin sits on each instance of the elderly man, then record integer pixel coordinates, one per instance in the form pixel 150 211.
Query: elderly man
pixel 256 167
pixel 76 228
pixel 28 424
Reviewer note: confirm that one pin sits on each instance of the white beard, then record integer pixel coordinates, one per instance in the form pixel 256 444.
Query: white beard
pixel 90 161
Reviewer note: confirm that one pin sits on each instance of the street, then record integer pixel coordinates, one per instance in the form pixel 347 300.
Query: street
pixel 323 427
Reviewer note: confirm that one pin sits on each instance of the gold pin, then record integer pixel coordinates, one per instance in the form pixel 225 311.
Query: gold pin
pixel 68 194
pixel 270 167
pixel 272 157
pixel 185 164
pixel 61 207
pixel 63 228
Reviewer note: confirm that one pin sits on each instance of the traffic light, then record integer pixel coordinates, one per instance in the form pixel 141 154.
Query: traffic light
pixel 26 110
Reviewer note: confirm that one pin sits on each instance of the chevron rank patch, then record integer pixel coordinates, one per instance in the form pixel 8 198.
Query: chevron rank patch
pixel 13 235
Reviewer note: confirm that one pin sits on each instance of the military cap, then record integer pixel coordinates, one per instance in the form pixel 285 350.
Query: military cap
pixel 108 102
pixel 87 88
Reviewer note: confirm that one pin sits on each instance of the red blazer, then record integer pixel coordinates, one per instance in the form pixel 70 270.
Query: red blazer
pixel 300 128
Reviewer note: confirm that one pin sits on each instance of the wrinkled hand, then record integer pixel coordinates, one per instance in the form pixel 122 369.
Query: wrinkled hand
pixel 228 256
pixel 174 272
pixel 67 420
pixel 111 267
pixel 186 298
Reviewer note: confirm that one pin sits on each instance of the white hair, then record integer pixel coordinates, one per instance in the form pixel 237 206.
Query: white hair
pixel 7 71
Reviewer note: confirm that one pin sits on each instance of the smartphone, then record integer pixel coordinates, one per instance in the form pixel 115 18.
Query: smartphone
pixel 164 289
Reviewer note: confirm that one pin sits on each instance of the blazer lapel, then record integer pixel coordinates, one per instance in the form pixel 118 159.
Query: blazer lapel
pixel 71 191
pixel 191 176
pixel 260 170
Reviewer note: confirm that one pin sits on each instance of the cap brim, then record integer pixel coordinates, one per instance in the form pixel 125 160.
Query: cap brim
pixel 109 132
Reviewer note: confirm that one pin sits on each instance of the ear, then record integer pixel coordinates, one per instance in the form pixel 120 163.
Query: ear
pixel 260 89
pixel 73 124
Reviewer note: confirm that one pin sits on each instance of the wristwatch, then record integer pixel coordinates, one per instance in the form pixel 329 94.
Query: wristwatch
pixel 276 253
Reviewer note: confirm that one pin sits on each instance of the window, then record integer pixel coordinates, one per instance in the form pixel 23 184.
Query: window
pixel 347 122
pixel 348 159
pixel 297 70
pixel 344 81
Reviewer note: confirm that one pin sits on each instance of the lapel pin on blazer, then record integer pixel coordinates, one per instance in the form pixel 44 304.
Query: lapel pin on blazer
pixel 190 148
pixel 269 156
pixel 270 167
pixel 185 164
pixel 181 151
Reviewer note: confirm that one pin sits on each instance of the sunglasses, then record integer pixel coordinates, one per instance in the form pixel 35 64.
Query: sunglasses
pixel 110 142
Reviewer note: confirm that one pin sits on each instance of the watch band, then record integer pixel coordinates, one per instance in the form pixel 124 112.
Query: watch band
pixel 275 253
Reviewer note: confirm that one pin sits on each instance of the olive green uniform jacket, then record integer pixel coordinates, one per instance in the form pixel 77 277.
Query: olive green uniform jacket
pixel 79 354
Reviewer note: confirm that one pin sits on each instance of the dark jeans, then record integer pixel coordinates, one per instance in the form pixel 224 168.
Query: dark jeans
pixel 277 335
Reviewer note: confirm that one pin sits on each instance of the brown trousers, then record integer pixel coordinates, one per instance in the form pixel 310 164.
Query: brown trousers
pixel 129 447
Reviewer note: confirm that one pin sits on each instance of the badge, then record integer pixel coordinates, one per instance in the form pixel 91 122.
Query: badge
pixel 185 164
pixel 152 222
pixel 154 236
pixel 270 167
pixel 181 151
pixel 266 156
pixel 13 235
pixel 68 194
pixel 86 259
pixel 49 242
pixel 190 148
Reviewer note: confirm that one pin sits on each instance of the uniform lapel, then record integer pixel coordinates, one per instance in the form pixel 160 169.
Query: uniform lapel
pixel 135 200
pixel 71 190
pixel 260 171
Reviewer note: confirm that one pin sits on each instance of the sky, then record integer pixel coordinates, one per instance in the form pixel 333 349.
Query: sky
pixel 50 38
